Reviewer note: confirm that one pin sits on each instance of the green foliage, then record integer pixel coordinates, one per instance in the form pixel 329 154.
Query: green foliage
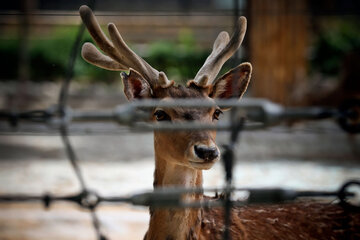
pixel 336 40
pixel 49 55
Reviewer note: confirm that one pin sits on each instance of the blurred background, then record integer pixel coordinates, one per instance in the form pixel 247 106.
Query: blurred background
pixel 303 52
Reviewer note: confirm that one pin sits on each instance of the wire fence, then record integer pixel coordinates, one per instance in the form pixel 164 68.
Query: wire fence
pixel 260 114
pixel 250 114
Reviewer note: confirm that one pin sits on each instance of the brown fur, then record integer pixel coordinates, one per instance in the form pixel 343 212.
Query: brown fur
pixel 180 91
pixel 292 221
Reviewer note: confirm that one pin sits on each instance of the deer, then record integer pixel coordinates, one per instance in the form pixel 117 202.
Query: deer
pixel 181 156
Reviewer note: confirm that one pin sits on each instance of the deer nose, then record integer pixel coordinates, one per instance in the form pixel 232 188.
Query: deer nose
pixel 206 153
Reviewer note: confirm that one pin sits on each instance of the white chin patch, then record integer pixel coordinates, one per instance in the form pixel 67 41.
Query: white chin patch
pixel 201 165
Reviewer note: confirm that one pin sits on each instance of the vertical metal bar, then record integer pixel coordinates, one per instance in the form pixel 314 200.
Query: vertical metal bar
pixel 228 158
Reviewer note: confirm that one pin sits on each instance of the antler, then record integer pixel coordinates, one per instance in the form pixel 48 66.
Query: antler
pixel 119 56
pixel 223 49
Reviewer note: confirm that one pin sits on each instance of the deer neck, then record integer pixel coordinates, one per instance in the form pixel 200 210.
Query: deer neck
pixel 168 174
pixel 175 223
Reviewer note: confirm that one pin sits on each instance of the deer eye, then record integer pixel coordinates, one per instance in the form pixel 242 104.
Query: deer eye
pixel 161 115
pixel 217 114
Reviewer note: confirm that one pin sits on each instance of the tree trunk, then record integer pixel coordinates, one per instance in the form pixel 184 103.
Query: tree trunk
pixel 278 42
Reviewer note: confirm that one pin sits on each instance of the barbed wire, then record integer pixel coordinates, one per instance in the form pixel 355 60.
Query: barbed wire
pixel 173 197
pixel 111 128
pixel 259 114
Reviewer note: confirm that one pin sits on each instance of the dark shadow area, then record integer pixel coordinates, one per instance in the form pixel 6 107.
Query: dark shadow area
pixel 16 151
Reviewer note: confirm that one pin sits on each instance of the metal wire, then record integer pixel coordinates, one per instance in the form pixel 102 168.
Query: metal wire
pixel 173 197
pixel 72 157
pixel 136 115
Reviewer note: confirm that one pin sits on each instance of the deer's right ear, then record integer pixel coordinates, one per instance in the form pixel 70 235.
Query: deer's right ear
pixel 135 86
pixel 234 83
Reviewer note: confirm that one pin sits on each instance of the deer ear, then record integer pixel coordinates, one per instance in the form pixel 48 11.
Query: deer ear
pixel 135 86
pixel 232 84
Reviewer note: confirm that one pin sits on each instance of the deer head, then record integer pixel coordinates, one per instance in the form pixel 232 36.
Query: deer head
pixel 196 149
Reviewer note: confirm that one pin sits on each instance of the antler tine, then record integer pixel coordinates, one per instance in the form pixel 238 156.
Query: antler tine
pixel 120 56
pixel 92 55
pixel 223 49
pixel 130 58
pixel 97 34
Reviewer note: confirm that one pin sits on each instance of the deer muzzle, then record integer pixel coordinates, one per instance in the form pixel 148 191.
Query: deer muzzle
pixel 206 153
pixel 204 156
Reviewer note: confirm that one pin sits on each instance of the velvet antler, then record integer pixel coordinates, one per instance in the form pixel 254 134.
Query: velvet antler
pixel 223 49
pixel 119 57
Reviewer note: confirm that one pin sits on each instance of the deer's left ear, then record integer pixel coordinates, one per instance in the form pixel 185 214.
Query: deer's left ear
pixel 232 84
pixel 135 86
